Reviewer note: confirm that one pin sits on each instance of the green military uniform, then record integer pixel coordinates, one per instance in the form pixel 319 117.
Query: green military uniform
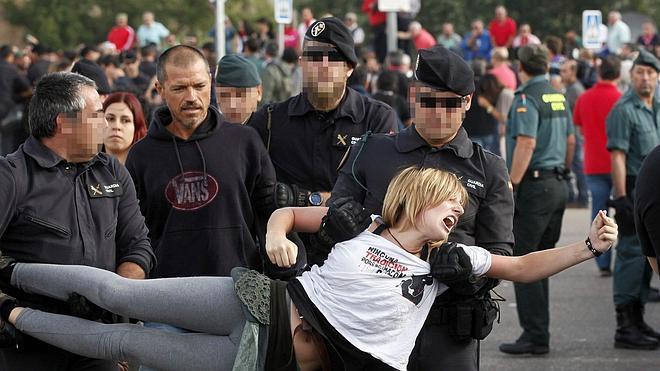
pixel 541 112
pixel 634 128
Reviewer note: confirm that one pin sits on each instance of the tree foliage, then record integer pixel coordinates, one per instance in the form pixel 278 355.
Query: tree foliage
pixel 67 23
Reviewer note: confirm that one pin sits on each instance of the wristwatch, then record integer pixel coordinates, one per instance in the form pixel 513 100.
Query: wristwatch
pixel 315 199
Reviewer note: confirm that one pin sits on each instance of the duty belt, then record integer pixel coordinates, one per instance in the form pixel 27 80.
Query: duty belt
pixel 558 172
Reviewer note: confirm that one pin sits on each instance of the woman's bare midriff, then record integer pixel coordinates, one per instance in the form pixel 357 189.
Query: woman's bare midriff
pixel 307 354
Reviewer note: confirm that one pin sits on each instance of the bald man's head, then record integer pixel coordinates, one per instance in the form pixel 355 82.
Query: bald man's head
pixel 180 56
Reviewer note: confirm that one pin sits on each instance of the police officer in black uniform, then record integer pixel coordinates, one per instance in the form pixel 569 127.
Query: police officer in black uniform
pixel 440 95
pixel 308 135
pixel 63 202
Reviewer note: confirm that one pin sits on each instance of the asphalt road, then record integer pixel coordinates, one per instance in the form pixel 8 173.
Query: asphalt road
pixel 582 320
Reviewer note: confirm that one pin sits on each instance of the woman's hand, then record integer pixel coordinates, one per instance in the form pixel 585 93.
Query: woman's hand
pixel 280 250
pixel 604 232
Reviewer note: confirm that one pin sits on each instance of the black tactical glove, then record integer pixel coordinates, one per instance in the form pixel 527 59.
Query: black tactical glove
pixel 290 195
pixel 451 265
pixel 263 198
pixel 624 215
pixel 346 218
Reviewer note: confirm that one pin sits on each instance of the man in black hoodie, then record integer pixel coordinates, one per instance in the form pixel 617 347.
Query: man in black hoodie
pixel 197 177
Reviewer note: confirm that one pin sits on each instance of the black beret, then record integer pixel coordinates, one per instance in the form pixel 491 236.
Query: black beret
pixel 332 30
pixel 444 70
pixel 534 56
pixel 647 59
pixel 94 72
pixel 237 72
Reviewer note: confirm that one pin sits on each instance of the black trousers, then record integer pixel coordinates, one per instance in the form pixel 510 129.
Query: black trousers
pixel 539 209
pixel 38 356
pixel 436 350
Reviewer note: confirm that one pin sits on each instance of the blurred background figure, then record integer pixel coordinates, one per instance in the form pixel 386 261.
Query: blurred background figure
pixel 122 35
pixel 151 32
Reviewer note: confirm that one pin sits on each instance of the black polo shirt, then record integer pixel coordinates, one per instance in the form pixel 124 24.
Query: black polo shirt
pixel 53 211
pixel 647 205
pixel 307 146
pixel 488 217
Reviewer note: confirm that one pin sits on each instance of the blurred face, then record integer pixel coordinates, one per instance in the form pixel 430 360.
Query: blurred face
pixel 307 15
pixel 325 72
pixel 437 114
pixel 148 18
pixel 477 28
pixel 500 13
pixel 525 30
pixel 84 130
pixel 644 80
pixel 438 221
pixel 187 93
pixel 567 73
pixel 447 29
pixel 121 127
pixel 648 29
pixel 122 21
pixel 612 18
pixel 237 104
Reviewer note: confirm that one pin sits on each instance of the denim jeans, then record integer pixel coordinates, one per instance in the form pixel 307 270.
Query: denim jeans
pixel 600 186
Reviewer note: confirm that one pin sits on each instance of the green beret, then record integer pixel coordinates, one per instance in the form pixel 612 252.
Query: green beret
pixel 647 59
pixel 237 72
pixel 534 56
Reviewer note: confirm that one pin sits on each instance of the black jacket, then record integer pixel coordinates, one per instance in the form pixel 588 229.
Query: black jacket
pixel 488 217
pixel 52 211
pixel 307 146
pixel 197 195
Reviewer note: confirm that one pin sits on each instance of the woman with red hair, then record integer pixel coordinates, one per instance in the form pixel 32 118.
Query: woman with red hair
pixel 126 124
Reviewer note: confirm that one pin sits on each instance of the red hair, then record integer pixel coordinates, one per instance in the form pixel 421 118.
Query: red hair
pixel 136 108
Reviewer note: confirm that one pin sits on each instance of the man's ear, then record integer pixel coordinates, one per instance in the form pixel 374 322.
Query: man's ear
pixel 349 70
pixel 159 88
pixel 260 91
pixel 61 125
pixel 468 101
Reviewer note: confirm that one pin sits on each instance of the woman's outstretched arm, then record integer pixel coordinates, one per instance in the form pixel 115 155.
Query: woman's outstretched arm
pixel 541 264
pixel 280 250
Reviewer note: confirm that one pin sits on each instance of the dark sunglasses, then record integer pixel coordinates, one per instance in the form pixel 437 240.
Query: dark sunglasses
pixel 317 55
pixel 442 102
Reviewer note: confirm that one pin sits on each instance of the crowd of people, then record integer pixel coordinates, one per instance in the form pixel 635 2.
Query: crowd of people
pixel 156 161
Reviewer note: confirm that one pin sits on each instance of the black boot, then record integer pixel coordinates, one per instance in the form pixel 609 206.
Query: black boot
pixel 628 335
pixel 642 325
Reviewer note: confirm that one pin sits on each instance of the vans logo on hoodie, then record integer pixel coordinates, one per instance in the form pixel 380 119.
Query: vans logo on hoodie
pixel 191 190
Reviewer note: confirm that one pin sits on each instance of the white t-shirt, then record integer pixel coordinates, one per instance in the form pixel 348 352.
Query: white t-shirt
pixel 371 291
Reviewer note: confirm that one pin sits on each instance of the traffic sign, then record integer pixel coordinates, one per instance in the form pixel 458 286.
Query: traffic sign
pixel 591 25
pixel 283 11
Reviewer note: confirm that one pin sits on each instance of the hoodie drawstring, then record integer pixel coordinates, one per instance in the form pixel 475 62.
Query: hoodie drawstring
pixel 201 154
pixel 178 157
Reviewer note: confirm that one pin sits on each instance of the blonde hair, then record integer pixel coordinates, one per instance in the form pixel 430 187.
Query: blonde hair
pixel 415 189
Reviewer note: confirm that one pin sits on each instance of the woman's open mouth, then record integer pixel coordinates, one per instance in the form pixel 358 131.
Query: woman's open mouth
pixel 450 222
